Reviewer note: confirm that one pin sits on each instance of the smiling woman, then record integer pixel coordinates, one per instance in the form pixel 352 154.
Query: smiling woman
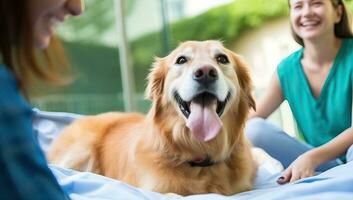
pixel 316 82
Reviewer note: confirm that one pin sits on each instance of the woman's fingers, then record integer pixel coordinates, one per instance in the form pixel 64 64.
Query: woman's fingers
pixel 286 176
pixel 302 167
pixel 295 175
pixel 307 174
pixel 281 180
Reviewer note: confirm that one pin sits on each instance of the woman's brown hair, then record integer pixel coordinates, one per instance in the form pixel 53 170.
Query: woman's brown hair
pixel 343 29
pixel 18 51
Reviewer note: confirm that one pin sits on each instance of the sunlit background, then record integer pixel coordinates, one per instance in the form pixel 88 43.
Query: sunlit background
pixel 112 45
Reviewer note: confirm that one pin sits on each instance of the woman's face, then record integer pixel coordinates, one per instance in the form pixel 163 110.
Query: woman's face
pixel 311 19
pixel 47 13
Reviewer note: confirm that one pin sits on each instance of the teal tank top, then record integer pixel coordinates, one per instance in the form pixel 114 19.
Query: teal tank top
pixel 323 118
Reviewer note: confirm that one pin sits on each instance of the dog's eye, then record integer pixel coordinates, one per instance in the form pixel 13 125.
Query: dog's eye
pixel 181 60
pixel 223 59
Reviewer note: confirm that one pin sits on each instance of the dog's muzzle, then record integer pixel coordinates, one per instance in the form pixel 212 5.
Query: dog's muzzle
pixel 205 108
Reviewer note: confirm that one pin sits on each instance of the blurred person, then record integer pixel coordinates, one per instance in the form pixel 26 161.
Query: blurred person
pixel 316 81
pixel 28 52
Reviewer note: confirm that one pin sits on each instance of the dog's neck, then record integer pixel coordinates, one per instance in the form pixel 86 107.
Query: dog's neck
pixel 201 162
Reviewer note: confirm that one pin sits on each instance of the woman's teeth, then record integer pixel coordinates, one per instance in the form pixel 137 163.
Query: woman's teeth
pixel 309 24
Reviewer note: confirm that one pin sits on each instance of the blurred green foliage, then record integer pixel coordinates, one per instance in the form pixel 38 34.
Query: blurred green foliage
pixel 225 23
pixel 94 24
pixel 95 68
pixel 95 59
pixel 97 19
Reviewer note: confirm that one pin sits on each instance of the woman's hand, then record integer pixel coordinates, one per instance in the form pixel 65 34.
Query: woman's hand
pixel 304 166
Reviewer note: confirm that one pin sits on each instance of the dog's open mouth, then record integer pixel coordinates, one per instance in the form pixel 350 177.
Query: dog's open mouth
pixel 203 114
pixel 200 98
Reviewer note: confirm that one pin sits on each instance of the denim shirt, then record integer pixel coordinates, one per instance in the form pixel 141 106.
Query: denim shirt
pixel 24 173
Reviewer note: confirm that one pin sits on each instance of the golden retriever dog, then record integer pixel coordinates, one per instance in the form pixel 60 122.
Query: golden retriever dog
pixel 190 142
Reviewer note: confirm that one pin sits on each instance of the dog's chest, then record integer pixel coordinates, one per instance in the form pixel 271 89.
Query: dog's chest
pixel 147 181
pixel 194 181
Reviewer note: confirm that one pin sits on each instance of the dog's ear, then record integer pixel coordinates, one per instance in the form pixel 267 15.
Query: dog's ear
pixel 245 82
pixel 156 79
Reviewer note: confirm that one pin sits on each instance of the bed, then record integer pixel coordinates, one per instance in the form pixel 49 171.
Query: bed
pixel 336 183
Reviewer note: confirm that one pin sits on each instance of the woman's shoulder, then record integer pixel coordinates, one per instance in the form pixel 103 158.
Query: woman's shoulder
pixel 348 46
pixel 7 80
pixel 9 94
pixel 291 61
pixel 292 58
pixel 345 56
pixel 348 41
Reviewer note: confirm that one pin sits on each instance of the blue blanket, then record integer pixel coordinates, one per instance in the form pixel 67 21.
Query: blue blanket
pixel 334 184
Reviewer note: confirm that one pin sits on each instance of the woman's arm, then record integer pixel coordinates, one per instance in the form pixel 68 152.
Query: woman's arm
pixel 334 148
pixel 305 165
pixel 24 172
pixel 270 101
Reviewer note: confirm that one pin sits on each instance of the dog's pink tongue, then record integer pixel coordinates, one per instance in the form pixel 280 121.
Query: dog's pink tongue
pixel 203 121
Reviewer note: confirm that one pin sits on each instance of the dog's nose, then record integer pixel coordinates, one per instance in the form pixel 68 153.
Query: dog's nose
pixel 206 74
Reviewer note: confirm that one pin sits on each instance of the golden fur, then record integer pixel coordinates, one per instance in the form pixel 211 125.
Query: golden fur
pixel 153 151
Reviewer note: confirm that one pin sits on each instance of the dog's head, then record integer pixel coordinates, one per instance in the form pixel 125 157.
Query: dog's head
pixel 201 85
